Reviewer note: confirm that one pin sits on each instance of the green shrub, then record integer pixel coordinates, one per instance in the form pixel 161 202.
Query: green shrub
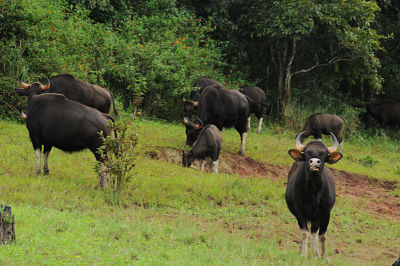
pixel 145 59
pixel 118 154
pixel 160 57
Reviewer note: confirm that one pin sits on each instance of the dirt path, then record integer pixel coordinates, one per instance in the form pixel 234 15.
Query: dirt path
pixel 373 191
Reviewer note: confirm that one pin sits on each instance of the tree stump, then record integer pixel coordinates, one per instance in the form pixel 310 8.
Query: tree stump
pixel 7 230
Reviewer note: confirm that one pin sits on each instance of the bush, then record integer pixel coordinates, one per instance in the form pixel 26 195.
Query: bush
pixel 118 154
pixel 146 59
pixel 161 56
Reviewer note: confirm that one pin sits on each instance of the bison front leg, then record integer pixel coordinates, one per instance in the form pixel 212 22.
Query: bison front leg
pixel 38 153
pixel 314 239
pixel 260 121
pixel 322 241
pixel 243 143
pixel 202 165
pixel 215 166
pixel 304 242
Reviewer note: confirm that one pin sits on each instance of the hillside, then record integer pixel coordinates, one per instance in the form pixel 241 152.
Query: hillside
pixel 173 215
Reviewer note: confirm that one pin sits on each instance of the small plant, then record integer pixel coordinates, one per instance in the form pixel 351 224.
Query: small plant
pixel 368 161
pixel 118 153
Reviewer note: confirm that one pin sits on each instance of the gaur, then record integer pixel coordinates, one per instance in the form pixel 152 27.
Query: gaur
pixel 310 191
pixel 56 121
pixel 224 108
pixel 208 144
pixel 320 123
pixel 257 104
pixel 80 91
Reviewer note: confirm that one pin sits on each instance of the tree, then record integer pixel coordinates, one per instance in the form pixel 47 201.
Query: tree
pixel 276 41
pixel 347 37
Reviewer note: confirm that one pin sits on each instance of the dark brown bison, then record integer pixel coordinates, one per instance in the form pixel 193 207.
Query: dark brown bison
pixel 56 121
pixel 222 108
pixel 310 191
pixel 208 144
pixel 319 123
pixel 190 106
pixel 77 90
pixel 257 103
pixel 386 114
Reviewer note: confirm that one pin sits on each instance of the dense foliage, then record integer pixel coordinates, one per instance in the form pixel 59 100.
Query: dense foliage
pixel 336 53
pixel 155 55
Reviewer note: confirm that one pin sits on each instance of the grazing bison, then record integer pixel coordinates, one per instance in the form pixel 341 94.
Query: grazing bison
pixel 257 103
pixel 223 108
pixel 203 82
pixel 386 114
pixel 310 191
pixel 54 120
pixel 208 144
pixel 319 123
pixel 78 90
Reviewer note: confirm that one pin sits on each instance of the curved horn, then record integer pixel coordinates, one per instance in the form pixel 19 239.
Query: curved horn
pixel 23 115
pixel 186 121
pixel 299 146
pixel 47 86
pixel 201 122
pixel 183 98
pixel 23 84
pixel 334 146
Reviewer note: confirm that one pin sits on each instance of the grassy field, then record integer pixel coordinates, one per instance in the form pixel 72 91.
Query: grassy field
pixel 177 216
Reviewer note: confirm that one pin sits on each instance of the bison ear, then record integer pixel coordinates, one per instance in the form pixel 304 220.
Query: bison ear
pixel 296 155
pixel 334 157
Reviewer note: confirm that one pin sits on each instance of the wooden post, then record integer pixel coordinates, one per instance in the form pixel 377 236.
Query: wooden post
pixel 7 230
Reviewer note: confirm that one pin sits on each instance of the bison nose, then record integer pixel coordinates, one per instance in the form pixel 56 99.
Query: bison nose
pixel 315 164
pixel 315 161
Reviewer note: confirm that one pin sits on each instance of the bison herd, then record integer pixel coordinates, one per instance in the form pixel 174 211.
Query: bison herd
pixel 72 115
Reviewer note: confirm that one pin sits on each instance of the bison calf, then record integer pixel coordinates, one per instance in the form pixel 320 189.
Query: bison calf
pixel 310 191
pixel 208 144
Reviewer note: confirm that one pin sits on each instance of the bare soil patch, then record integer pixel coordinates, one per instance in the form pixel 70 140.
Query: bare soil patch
pixel 355 186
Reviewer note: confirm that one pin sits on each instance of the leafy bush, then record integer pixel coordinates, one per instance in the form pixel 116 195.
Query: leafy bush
pixel 145 59
pixel 118 154
pixel 161 56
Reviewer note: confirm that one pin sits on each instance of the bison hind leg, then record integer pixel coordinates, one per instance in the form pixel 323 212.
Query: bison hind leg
pixel 46 154
pixel 260 121
pixel 38 153
pixel 215 166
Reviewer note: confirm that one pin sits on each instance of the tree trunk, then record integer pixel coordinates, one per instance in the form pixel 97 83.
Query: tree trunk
pixel 288 79
pixel 7 230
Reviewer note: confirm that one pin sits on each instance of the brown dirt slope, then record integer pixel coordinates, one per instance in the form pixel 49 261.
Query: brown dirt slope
pixel 375 192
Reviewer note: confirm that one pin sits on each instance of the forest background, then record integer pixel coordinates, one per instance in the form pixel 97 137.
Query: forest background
pixel 331 56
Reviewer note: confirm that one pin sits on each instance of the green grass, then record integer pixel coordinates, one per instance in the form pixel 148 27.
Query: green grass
pixel 177 216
